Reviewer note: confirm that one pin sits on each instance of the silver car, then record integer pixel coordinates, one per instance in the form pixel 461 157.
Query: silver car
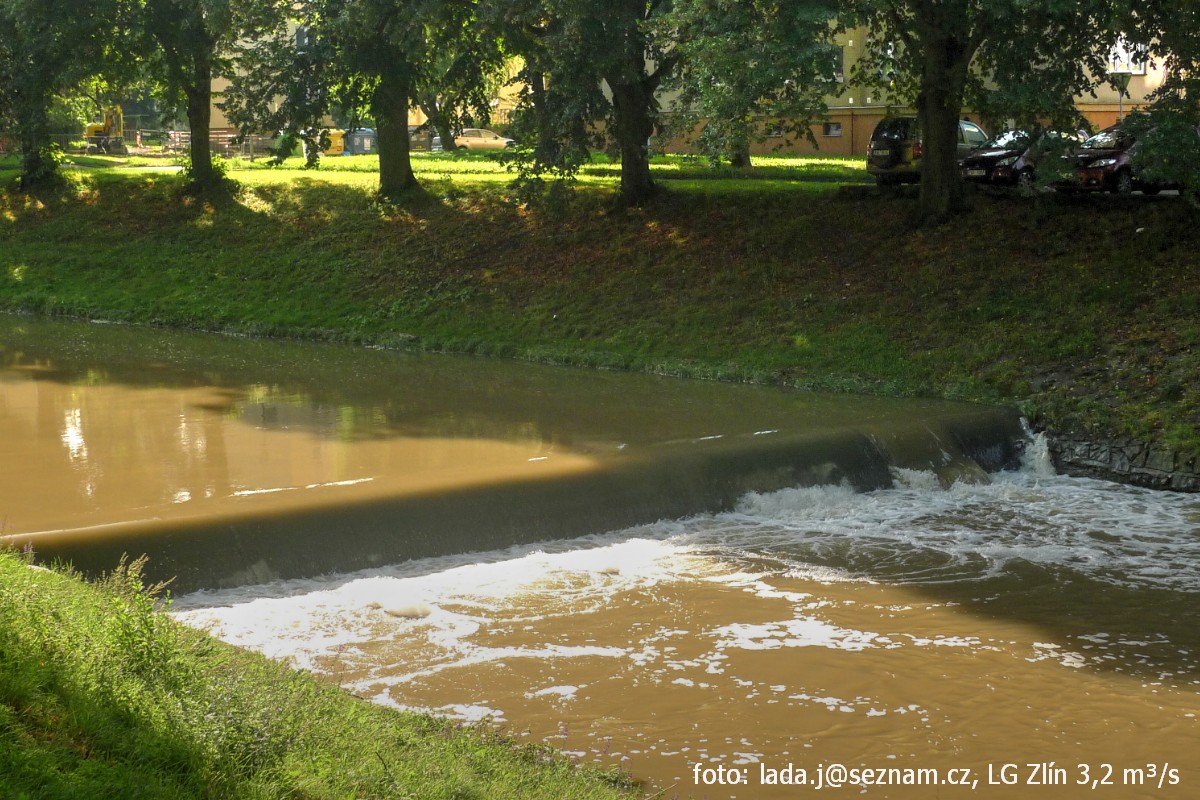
pixel 481 139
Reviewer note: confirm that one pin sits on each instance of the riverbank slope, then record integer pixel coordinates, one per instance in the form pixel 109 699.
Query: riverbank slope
pixel 103 695
pixel 1083 311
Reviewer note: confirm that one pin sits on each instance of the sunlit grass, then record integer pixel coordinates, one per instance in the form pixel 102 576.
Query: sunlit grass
pixel 741 186
pixel 667 167
pixel 680 171
pixel 117 162
pixel 284 176
pixel 442 171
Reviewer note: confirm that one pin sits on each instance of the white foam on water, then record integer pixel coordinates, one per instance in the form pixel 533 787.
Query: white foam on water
pixel 470 713
pixel 801 632
pixel 561 692
pixel 1036 459
pixel 912 533
pixel 915 533
pixel 304 620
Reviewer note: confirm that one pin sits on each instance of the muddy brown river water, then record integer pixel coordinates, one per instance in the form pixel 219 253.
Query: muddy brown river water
pixel 996 635
pixel 918 637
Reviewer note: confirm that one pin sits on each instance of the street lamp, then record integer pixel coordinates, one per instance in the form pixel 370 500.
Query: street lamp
pixel 1123 62
pixel 1121 81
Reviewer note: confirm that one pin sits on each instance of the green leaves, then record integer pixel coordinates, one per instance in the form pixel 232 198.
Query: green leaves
pixel 46 46
pixel 589 66
pixel 740 61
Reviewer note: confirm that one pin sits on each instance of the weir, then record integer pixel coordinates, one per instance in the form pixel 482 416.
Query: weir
pixel 231 462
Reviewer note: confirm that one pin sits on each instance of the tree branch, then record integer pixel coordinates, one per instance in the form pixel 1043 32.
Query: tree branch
pixel 892 10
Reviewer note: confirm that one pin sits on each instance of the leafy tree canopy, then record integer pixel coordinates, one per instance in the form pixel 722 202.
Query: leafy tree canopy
pixel 589 66
pixel 189 43
pixel 46 48
pixel 742 60
pixel 1166 33
pixel 364 58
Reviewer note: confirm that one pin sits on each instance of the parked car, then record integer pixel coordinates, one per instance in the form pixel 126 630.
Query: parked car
pixel 894 152
pixel 481 139
pixel 1105 162
pixel 1012 157
pixel 993 162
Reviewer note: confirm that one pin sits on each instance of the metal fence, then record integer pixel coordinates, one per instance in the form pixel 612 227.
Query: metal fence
pixel 159 142
pixel 225 143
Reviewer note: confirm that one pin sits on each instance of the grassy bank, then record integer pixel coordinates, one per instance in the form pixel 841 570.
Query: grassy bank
pixel 1083 310
pixel 102 695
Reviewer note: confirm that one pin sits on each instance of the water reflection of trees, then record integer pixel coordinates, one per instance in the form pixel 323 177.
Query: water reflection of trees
pixel 353 393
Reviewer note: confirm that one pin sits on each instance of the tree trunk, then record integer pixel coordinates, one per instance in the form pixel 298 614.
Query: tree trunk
pixel 939 104
pixel 439 122
pixel 444 132
pixel 739 154
pixel 33 164
pixel 390 106
pixel 537 90
pixel 632 129
pixel 35 167
pixel 199 114
pixel 940 179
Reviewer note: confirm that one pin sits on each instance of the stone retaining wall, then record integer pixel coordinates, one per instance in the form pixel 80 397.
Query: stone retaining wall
pixel 1125 461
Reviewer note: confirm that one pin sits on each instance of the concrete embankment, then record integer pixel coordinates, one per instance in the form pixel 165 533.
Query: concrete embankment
pixel 231 462
pixel 667 479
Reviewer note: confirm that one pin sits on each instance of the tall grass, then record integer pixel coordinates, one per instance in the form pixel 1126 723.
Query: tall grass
pixel 102 695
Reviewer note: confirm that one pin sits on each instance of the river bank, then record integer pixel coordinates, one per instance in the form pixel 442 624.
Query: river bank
pixel 103 695
pixel 1080 311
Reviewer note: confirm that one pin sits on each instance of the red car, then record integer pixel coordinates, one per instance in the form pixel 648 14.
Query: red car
pixel 1105 163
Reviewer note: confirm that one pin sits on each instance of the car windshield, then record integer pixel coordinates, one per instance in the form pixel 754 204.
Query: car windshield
pixel 1062 136
pixel 1009 140
pixel 1106 140
pixel 1054 141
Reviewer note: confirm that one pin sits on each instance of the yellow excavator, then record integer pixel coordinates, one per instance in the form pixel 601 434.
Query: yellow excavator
pixel 107 135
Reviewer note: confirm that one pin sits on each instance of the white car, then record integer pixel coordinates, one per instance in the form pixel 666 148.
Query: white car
pixel 481 139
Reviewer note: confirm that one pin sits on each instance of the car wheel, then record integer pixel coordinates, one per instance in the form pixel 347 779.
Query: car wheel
pixel 1025 180
pixel 1123 184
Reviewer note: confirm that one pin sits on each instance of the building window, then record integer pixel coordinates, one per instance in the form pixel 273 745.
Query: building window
pixel 832 129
